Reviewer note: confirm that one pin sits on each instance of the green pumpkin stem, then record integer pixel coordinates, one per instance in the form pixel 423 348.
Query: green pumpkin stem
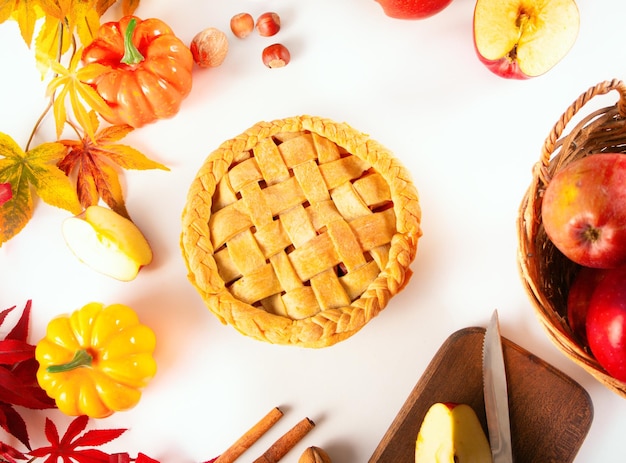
pixel 82 358
pixel 131 54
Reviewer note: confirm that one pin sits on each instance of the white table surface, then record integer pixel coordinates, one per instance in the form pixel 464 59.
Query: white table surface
pixel 468 137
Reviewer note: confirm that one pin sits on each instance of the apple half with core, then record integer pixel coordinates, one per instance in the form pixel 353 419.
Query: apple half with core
pixel 451 432
pixel 606 323
pixel 584 210
pixel 412 9
pixel 107 242
pixel 520 39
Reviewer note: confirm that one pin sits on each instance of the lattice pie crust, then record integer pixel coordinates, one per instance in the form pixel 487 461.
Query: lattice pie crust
pixel 300 230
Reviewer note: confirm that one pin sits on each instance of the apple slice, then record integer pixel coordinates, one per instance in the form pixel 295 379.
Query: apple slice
pixel 520 39
pixel 107 242
pixel 451 433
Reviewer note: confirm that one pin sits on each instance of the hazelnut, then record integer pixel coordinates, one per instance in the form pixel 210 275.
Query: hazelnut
pixel 314 455
pixel 242 25
pixel 209 47
pixel 268 24
pixel 276 56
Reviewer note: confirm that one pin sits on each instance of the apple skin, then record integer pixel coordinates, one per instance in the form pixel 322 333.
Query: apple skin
pixel 584 210
pixel 606 323
pixel 503 67
pixel 452 432
pixel 412 9
pixel 107 242
pixel 6 194
pixel 578 299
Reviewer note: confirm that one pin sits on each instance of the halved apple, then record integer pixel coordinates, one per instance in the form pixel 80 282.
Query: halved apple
pixel 107 242
pixel 452 433
pixel 520 39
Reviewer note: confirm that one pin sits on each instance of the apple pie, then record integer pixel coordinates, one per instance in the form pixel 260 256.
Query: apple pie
pixel 300 230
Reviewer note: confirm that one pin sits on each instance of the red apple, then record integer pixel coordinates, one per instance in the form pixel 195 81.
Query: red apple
pixel 584 210
pixel 5 193
pixel 452 432
pixel 412 9
pixel 520 39
pixel 606 323
pixel 578 298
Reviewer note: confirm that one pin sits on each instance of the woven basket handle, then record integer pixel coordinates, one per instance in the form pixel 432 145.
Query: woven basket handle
pixel 600 89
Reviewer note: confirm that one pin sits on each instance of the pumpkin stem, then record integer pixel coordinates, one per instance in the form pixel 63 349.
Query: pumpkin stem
pixel 82 358
pixel 131 54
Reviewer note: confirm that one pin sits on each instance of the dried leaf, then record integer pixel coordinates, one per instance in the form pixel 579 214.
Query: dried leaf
pixel 95 162
pixel 35 169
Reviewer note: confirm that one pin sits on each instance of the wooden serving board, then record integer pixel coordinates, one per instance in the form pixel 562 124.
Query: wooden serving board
pixel 550 413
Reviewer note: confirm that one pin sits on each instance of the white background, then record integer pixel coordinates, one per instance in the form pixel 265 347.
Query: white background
pixel 468 137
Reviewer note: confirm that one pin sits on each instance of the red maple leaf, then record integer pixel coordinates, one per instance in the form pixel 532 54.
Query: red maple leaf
pixel 18 380
pixel 11 455
pixel 66 448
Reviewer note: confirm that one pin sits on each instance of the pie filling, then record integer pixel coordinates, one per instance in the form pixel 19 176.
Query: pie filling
pixel 299 225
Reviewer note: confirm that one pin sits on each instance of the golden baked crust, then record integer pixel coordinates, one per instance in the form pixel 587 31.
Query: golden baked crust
pixel 300 230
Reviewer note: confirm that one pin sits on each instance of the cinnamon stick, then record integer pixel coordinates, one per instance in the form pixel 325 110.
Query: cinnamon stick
pixel 250 437
pixel 286 442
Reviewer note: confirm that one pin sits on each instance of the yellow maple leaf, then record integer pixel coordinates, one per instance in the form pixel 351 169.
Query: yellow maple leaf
pixel 84 18
pixel 63 19
pixel 93 163
pixel 52 42
pixel 6 9
pixel 35 170
pixel 26 13
pixel 82 97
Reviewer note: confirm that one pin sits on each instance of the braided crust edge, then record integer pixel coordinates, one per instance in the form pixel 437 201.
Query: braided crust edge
pixel 328 326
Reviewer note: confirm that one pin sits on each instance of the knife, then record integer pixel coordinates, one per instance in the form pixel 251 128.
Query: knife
pixel 496 394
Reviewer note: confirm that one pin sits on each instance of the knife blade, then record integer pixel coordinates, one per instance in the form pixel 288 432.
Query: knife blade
pixel 496 394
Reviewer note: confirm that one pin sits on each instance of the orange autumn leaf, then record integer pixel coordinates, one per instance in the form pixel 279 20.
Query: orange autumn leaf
pixel 35 170
pixel 95 163
pixel 128 6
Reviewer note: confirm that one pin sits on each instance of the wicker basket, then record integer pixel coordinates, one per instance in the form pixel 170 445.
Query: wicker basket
pixel 546 273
